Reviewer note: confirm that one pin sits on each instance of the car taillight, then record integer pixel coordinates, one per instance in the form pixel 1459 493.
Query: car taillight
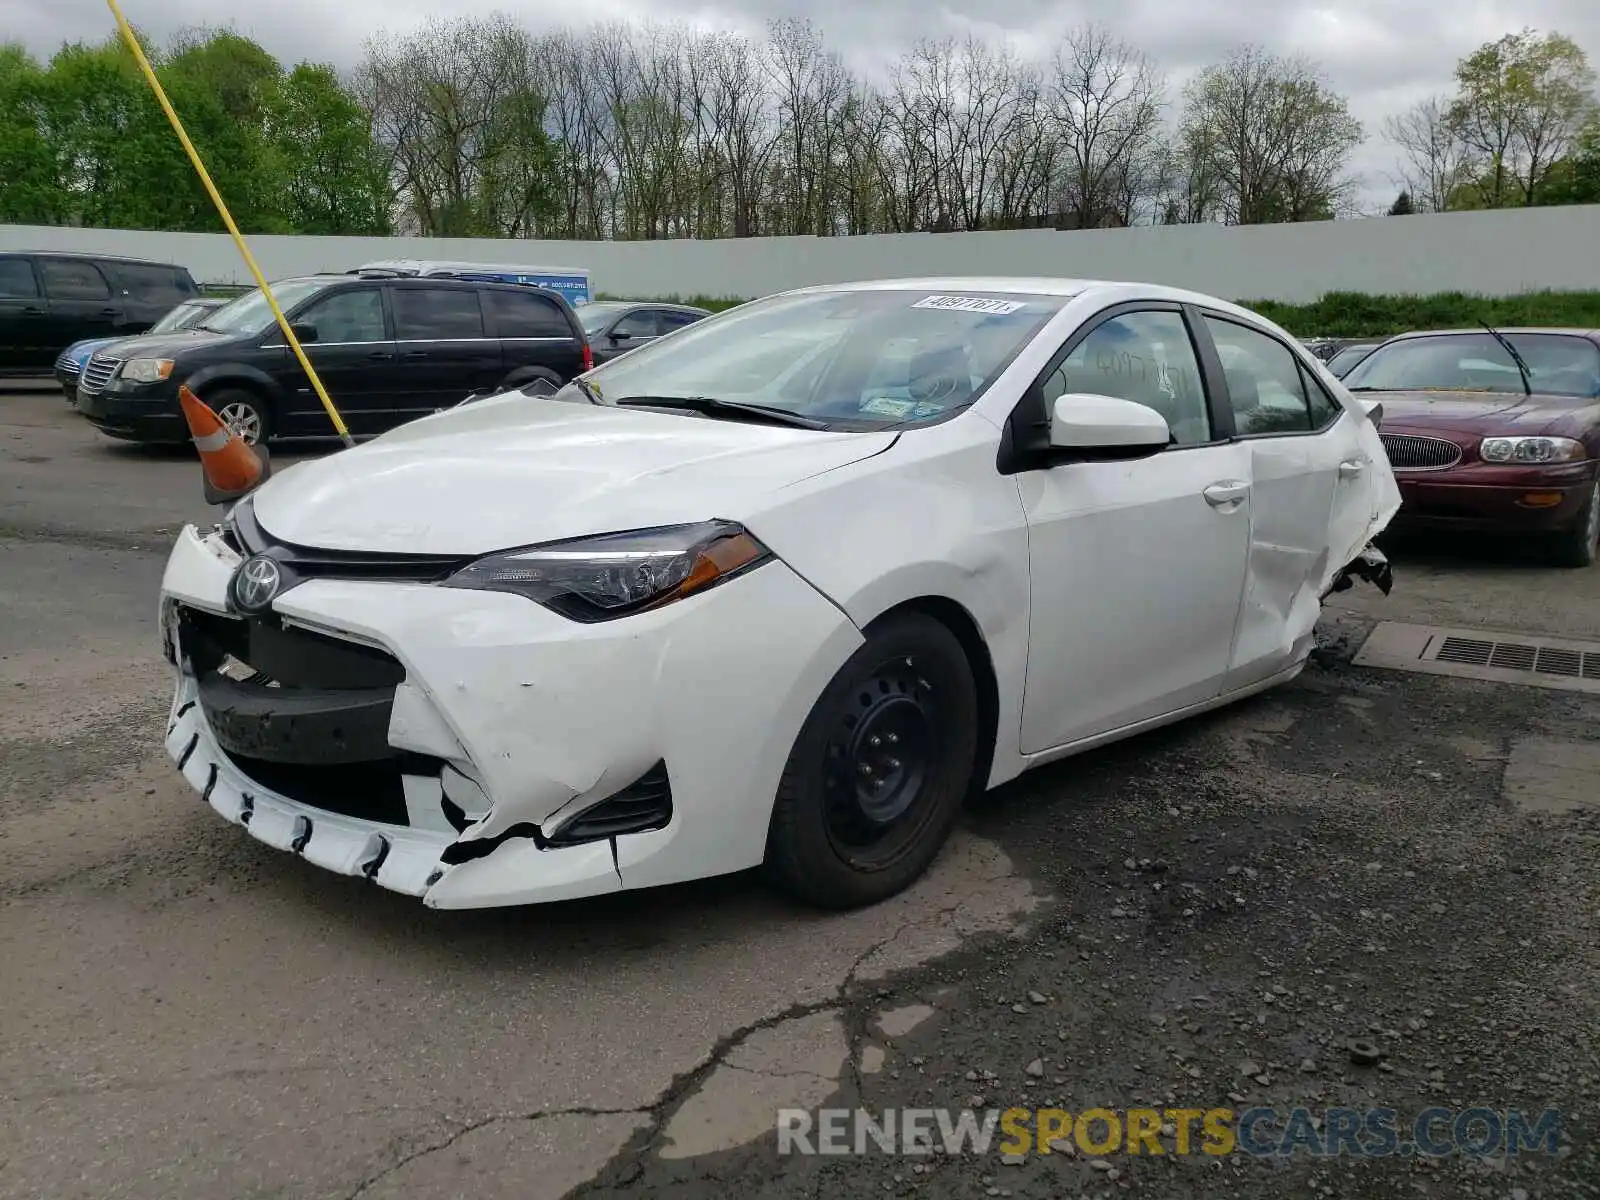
pixel 588 357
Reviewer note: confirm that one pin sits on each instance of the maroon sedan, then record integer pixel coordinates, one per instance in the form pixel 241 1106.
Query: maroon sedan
pixel 1494 432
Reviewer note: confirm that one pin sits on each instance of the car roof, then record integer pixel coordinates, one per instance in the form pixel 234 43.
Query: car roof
pixel 466 268
pixel 1565 330
pixel 666 304
pixel 1114 290
pixel 95 256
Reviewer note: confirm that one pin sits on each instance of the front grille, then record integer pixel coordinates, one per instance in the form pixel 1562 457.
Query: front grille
pixel 244 535
pixel 302 714
pixel 1408 452
pixel 97 373
pixel 65 366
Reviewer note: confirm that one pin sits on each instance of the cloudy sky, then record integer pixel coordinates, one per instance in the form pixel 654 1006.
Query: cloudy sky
pixel 1383 54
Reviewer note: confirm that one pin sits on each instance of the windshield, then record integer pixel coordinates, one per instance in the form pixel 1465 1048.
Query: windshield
pixel 594 316
pixel 1558 365
pixel 250 313
pixel 181 317
pixel 1345 359
pixel 848 359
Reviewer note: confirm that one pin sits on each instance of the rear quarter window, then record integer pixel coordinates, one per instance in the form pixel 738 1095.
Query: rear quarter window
pixel 154 285
pixel 526 315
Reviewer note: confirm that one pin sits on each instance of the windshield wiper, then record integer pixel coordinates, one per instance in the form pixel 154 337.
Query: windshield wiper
pixel 1522 367
pixel 711 406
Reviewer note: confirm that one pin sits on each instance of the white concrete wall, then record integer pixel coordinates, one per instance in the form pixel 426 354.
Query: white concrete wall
pixel 1487 253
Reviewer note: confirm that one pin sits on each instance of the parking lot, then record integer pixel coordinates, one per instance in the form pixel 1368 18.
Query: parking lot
pixel 1360 854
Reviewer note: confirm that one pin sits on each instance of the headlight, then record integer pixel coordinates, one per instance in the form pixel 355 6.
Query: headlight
pixel 146 370
pixel 600 578
pixel 1520 450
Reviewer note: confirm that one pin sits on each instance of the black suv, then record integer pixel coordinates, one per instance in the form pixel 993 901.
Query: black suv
pixel 49 300
pixel 387 350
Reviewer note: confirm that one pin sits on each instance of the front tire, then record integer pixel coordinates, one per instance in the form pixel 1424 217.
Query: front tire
pixel 876 778
pixel 1576 545
pixel 245 413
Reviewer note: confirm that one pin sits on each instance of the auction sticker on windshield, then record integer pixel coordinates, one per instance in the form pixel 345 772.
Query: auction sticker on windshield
pixel 970 304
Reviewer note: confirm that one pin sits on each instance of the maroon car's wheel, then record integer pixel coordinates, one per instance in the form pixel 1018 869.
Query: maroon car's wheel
pixel 1576 545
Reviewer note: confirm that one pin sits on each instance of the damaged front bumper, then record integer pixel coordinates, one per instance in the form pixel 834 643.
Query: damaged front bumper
pixel 474 749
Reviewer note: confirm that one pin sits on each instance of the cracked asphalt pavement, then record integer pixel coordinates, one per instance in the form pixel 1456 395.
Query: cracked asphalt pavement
pixel 1200 917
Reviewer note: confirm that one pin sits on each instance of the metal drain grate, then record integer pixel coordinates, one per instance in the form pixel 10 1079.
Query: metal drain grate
pixel 1478 654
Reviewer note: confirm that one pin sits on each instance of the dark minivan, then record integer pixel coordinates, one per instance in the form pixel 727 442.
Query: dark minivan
pixel 48 300
pixel 387 351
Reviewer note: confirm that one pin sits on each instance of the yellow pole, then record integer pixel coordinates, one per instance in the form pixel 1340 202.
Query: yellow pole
pixel 132 40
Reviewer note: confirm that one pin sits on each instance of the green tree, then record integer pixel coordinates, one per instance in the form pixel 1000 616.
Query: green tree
pixel 1520 103
pixel 1575 179
pixel 1402 206
pixel 29 191
pixel 334 176
pixel 1272 135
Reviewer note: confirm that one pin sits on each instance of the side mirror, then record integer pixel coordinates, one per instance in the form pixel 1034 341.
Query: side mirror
pixel 1106 427
pixel 619 336
pixel 304 331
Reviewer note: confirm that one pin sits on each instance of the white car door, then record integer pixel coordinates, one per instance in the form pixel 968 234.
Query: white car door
pixel 1136 567
pixel 1311 476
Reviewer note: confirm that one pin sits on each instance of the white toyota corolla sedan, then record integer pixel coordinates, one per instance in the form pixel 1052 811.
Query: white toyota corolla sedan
pixel 781 588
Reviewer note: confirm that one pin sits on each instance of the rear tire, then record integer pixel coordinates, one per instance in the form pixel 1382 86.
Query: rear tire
pixel 876 778
pixel 246 413
pixel 1576 545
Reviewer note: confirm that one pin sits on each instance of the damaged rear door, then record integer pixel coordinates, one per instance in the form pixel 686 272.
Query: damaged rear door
pixel 1316 468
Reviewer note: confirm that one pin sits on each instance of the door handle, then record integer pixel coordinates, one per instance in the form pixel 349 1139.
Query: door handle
pixel 31 311
pixel 108 312
pixel 415 354
pixel 1351 467
pixel 1228 494
pixel 381 354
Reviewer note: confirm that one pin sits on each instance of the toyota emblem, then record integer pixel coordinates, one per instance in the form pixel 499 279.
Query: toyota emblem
pixel 255 584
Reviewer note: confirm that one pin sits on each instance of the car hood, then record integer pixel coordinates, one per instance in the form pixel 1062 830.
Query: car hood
pixel 516 470
pixel 167 345
pixel 79 352
pixel 1477 413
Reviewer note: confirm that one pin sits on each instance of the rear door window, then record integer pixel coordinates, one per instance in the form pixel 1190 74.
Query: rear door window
pixel 73 279
pixel 436 314
pixel 526 315
pixel 148 284
pixel 1266 386
pixel 17 281
pixel 676 320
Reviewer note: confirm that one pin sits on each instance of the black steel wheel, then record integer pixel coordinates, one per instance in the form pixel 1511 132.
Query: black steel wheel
pixel 876 778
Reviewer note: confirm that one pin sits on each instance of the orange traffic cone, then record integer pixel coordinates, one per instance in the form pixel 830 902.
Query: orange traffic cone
pixel 231 468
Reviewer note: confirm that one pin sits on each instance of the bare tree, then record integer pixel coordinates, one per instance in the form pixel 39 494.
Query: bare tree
pixel 457 103
pixel 1106 104
pixel 1434 162
pixel 812 85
